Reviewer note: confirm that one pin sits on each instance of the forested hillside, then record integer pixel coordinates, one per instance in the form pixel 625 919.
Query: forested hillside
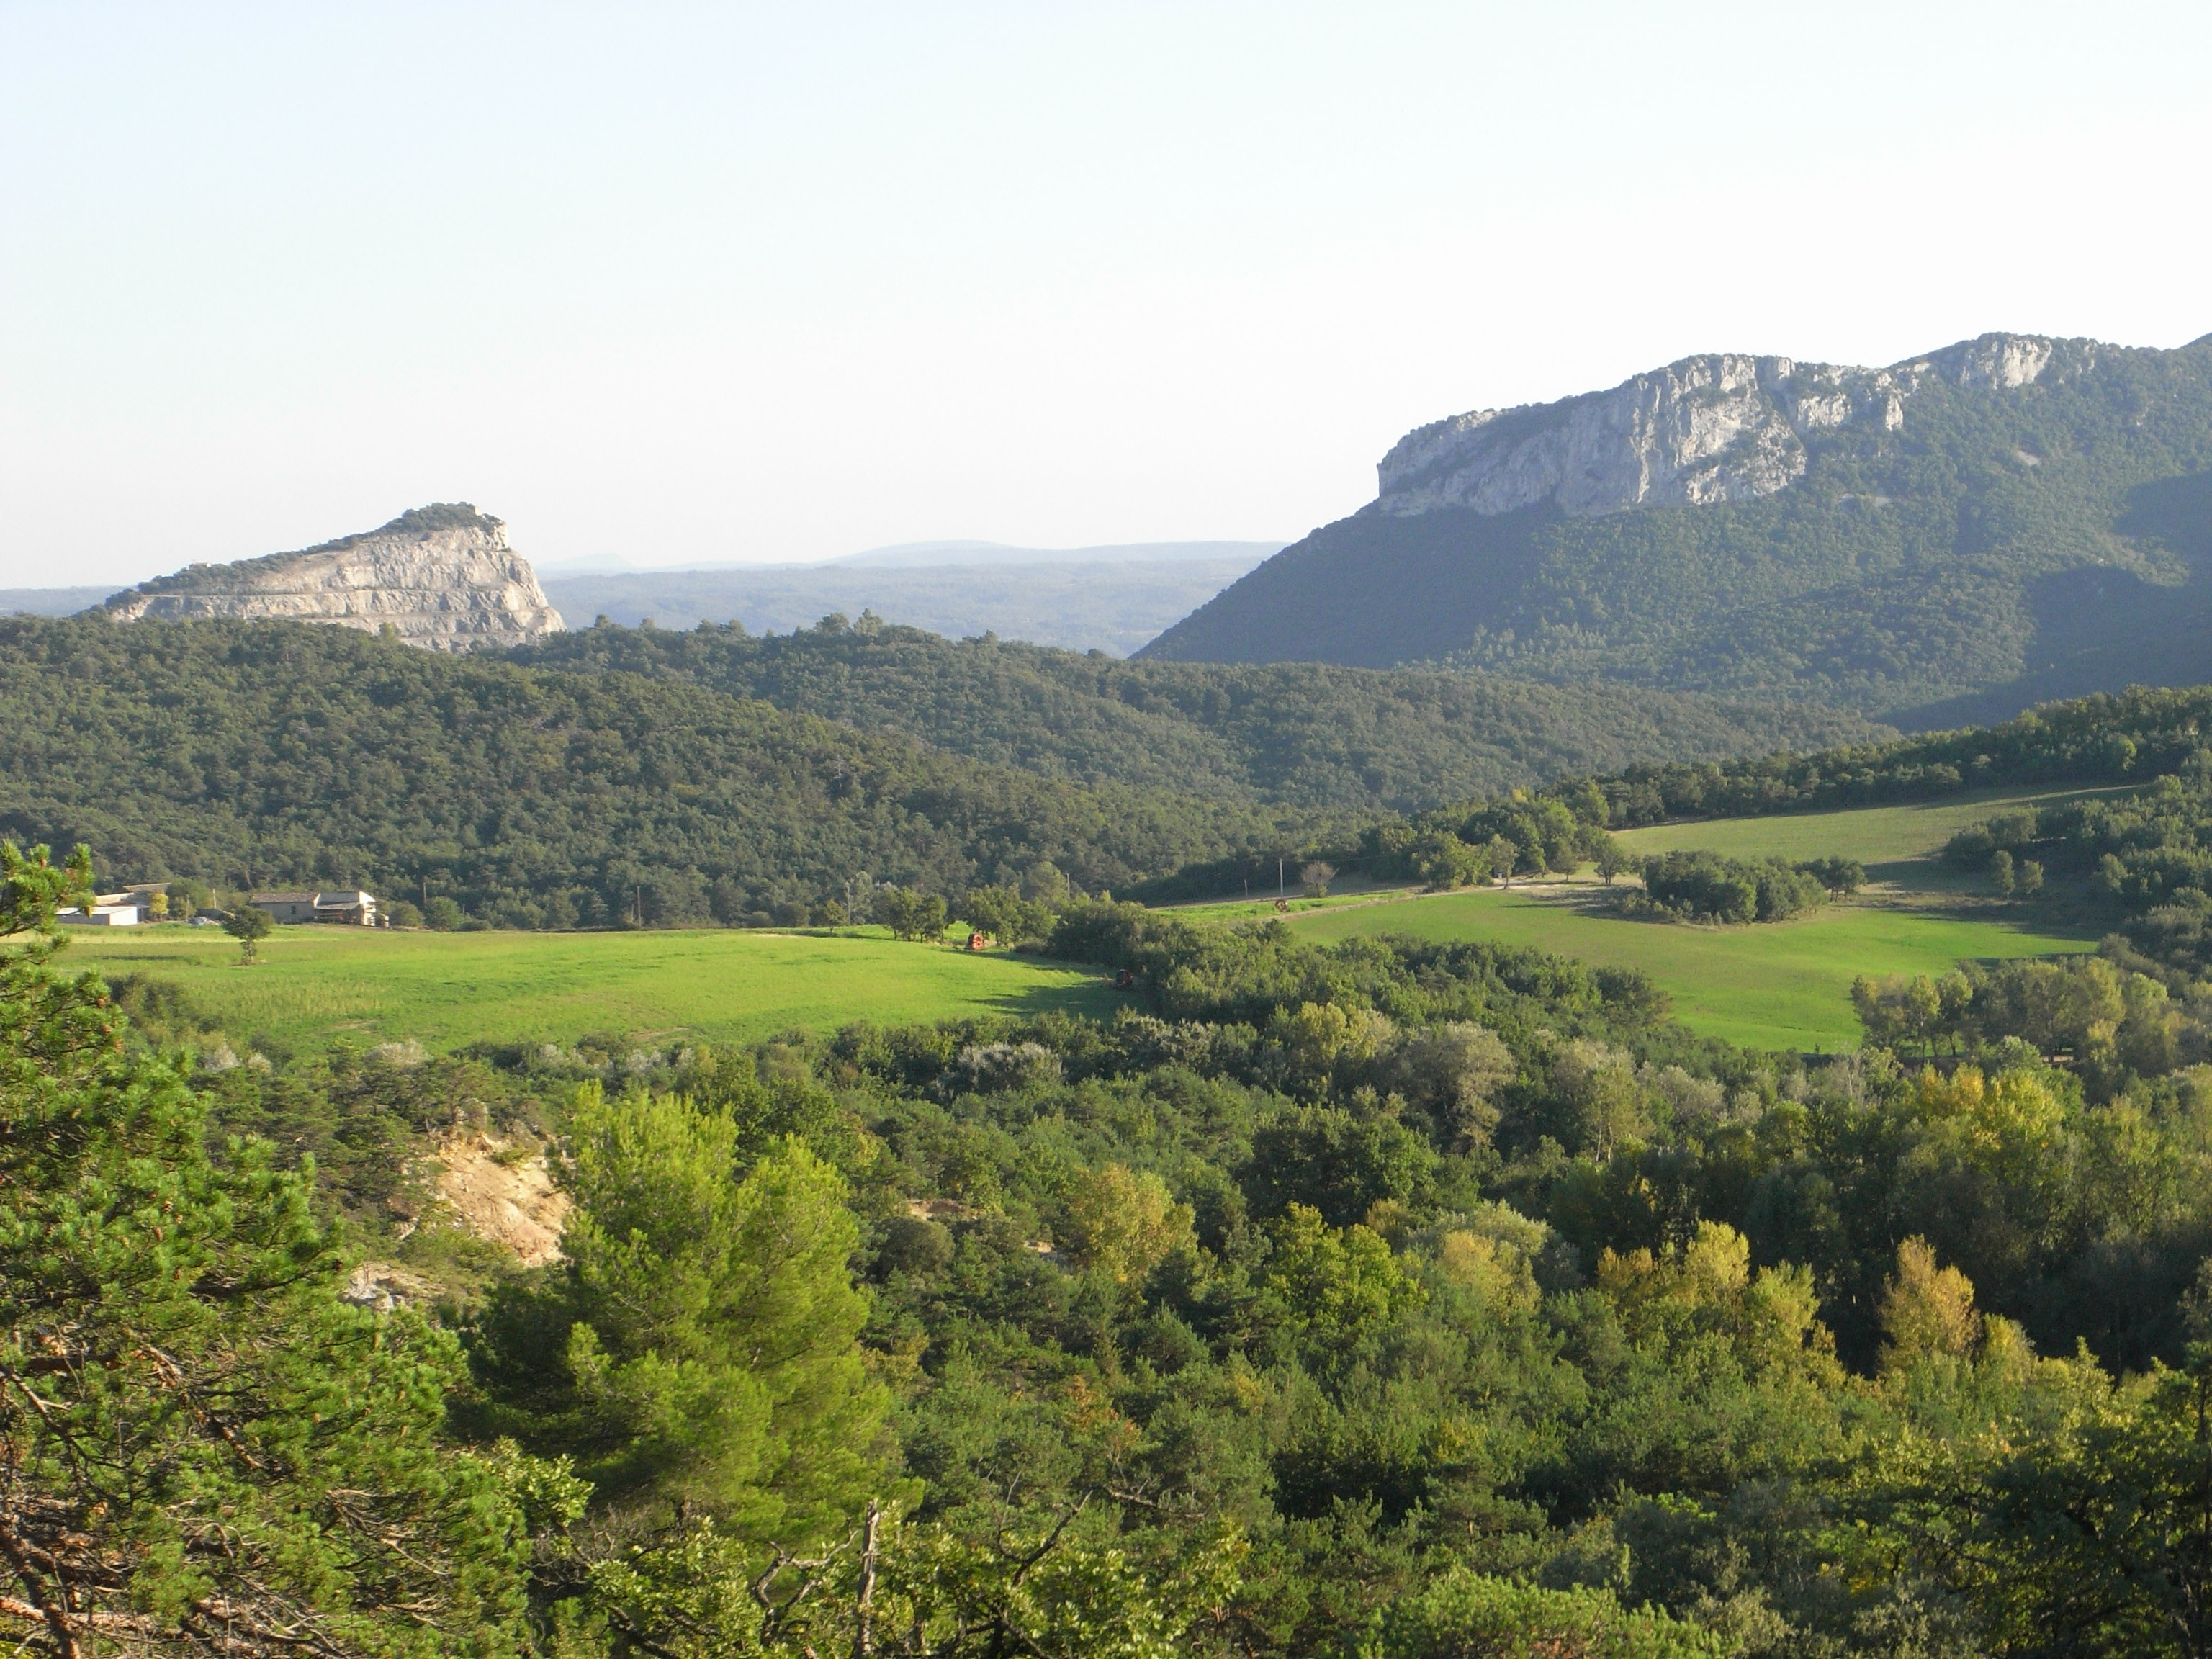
pixel 1304 734
pixel 272 754
pixel 1991 546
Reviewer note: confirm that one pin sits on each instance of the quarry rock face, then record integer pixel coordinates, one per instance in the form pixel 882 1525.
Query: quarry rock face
pixel 442 576
pixel 1705 431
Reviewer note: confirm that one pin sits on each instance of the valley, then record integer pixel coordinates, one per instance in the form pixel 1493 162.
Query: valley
pixel 1783 987
pixel 1606 1056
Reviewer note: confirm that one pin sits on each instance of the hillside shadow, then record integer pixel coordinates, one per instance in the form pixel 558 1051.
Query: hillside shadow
pixel 1095 998
pixel 1371 591
pixel 1923 875
pixel 2100 629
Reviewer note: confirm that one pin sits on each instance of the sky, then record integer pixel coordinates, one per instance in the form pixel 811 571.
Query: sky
pixel 691 282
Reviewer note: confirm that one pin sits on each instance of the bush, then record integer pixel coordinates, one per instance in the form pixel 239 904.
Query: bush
pixel 1706 887
pixel 1837 875
pixel 1468 1615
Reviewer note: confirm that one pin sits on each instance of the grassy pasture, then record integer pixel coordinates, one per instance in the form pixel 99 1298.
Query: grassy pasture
pixel 1896 843
pixel 314 984
pixel 1776 985
pixel 1780 984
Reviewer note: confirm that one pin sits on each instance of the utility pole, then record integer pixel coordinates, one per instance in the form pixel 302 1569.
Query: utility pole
pixel 1281 891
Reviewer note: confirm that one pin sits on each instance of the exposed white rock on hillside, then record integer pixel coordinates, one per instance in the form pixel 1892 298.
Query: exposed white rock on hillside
pixel 442 576
pixel 1721 428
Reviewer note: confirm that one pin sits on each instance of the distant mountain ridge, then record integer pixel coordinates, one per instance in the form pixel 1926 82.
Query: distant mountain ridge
pixel 1952 535
pixel 922 555
pixel 1110 607
pixel 938 555
pixel 51 601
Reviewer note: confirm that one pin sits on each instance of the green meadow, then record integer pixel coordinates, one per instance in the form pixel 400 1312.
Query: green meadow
pixel 1777 986
pixel 1885 839
pixel 1782 985
pixel 315 984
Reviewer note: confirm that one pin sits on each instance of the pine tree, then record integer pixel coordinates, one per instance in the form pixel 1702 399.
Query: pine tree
pixel 699 1350
pixel 202 1450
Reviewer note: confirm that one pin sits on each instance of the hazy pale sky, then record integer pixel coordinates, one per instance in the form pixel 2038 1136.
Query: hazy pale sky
pixel 727 281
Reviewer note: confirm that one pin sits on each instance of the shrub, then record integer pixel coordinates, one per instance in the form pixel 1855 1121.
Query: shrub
pixel 1838 875
pixel 1469 1615
pixel 1706 887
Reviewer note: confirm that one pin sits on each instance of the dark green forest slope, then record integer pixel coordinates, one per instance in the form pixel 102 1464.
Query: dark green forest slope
pixel 276 753
pixel 1302 734
pixel 2000 545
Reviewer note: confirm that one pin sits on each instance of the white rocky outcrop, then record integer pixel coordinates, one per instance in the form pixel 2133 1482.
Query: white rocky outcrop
pixel 442 576
pixel 1719 427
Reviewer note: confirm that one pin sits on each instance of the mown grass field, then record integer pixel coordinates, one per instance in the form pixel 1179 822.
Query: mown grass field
pixel 314 984
pixel 1782 985
pixel 1883 838
pixel 1776 985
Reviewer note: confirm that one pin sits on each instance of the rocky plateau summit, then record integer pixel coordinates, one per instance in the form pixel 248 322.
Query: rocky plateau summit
pixel 1699 432
pixel 442 577
pixel 1948 539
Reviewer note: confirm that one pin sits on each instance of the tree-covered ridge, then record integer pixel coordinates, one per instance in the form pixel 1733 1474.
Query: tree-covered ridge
pixel 267 754
pixel 1302 734
pixel 1998 535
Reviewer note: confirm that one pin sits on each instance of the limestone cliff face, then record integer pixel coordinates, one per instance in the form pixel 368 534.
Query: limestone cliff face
pixel 443 576
pixel 1705 431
